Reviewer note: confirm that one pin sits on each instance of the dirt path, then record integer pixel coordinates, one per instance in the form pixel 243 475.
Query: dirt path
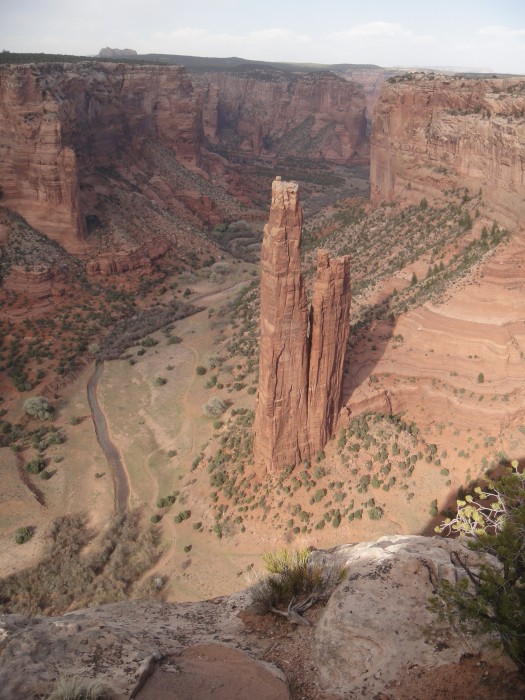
pixel 119 474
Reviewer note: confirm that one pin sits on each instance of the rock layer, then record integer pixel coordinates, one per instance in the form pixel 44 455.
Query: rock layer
pixel 301 353
pixel 431 134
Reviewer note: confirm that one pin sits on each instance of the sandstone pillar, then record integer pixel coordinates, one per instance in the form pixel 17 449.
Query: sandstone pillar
pixel 302 353
pixel 329 335
pixel 280 428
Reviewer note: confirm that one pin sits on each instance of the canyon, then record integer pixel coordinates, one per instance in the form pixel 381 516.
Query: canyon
pixel 123 186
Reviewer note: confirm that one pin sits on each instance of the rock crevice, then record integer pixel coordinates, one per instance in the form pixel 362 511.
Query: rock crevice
pixel 302 349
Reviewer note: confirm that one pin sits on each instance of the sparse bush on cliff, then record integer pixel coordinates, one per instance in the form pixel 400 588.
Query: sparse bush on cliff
pixel 294 580
pixel 38 407
pixel 491 596
pixel 78 688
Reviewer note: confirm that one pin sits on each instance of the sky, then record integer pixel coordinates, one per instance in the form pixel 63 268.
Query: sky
pixel 479 34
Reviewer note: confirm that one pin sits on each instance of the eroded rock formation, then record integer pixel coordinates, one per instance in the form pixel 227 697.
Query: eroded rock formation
pixel 433 133
pixel 329 330
pixel 301 352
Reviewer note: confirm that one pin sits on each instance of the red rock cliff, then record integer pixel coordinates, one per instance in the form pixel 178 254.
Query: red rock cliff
pixel 59 122
pixel 300 368
pixel 432 134
pixel 265 112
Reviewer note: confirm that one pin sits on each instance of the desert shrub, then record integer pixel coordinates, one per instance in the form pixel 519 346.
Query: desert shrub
pixel 74 420
pixel 149 342
pixel 160 381
pixel 156 518
pixel 491 597
pixel 221 268
pixel 24 534
pixel 174 339
pixel 45 475
pixel 291 574
pixel 38 407
pixel 214 407
pixel 36 465
pixel 481 378
pixel 200 370
pixel 78 688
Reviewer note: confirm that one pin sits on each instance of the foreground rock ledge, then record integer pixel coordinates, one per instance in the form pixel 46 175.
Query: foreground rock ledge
pixel 375 626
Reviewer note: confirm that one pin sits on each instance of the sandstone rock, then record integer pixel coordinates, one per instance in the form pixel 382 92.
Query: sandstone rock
pixel 375 626
pixel 117 263
pixel 433 134
pixel 268 112
pixel 329 336
pixel 216 672
pixel 300 368
pixel 34 284
pixel 377 623
pixel 280 428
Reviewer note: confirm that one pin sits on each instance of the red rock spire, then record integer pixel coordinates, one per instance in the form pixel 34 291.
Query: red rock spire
pixel 300 372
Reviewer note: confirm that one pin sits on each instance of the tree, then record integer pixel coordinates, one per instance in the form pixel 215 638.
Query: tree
pixel 38 407
pixel 491 597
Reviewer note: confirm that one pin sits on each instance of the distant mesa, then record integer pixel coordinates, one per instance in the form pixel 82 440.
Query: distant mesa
pixel 116 53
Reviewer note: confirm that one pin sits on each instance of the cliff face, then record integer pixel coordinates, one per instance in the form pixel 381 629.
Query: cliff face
pixel 60 122
pixel 300 367
pixel 432 134
pixel 257 113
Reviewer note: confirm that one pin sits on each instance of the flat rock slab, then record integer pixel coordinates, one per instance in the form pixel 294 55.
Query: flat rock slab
pixel 215 672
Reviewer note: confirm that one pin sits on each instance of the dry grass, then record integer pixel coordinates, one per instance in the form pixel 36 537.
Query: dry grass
pixel 78 688
pixel 72 575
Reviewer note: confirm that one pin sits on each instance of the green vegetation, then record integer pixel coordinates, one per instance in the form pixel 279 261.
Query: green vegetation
pixel 24 534
pixel 491 597
pixel 38 407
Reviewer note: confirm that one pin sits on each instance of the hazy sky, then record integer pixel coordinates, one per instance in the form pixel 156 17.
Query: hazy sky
pixel 468 33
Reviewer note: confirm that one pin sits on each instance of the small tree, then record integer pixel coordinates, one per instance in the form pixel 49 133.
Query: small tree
pixel 38 407
pixel 214 407
pixel 481 378
pixel 491 597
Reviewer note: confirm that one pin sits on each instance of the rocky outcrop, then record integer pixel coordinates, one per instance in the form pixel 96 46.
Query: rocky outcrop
pixel 117 263
pixel 281 416
pixel 269 112
pixel 33 284
pixel 378 624
pixel 329 334
pixel 376 629
pixel 301 355
pixel 433 133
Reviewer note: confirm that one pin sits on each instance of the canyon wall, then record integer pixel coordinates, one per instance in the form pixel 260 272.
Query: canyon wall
pixel 60 122
pixel 301 353
pixel 268 112
pixel 128 152
pixel 432 133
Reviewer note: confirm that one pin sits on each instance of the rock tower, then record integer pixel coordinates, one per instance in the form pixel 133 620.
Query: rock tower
pixel 302 349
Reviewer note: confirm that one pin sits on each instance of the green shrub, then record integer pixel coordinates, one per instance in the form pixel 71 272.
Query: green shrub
pixel 481 378
pixel 35 466
pixel 200 370
pixel 38 407
pixel 214 407
pixel 24 534
pixel 490 598
pixel 160 381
